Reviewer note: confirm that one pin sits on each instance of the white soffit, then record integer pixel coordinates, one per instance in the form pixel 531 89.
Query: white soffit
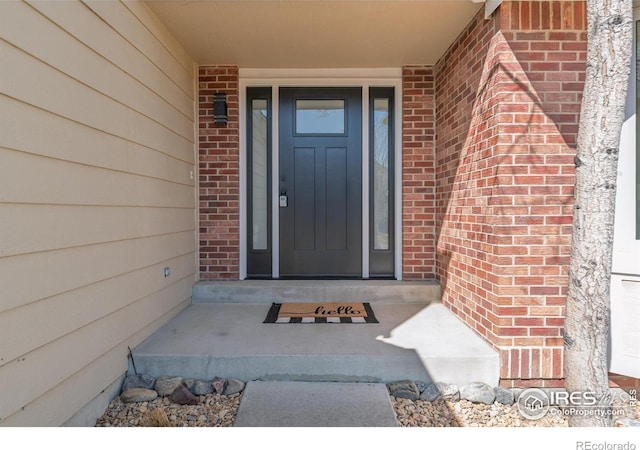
pixel 315 33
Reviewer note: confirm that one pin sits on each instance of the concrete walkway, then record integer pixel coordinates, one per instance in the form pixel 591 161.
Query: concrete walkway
pixel 309 404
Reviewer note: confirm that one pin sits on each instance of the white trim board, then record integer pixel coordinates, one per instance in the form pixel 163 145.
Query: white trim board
pixel 318 76
pixel 624 347
pixel 626 248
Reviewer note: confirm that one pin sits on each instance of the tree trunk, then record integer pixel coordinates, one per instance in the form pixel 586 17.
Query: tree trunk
pixel 610 31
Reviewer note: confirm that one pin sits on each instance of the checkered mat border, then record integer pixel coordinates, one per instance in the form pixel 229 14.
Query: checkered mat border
pixel 274 312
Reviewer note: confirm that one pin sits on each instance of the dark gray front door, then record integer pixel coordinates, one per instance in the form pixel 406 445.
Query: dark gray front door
pixel 320 182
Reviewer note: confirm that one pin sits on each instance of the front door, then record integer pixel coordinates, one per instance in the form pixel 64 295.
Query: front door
pixel 320 182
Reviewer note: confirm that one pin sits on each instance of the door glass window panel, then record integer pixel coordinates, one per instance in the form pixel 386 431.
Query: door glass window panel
pixel 381 174
pixel 320 116
pixel 259 175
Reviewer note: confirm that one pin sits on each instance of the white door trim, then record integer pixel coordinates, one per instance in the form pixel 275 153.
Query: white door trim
pixel 624 352
pixel 364 78
pixel 626 248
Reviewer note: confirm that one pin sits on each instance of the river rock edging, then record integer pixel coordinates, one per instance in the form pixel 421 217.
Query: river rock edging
pixel 474 392
pixel 180 390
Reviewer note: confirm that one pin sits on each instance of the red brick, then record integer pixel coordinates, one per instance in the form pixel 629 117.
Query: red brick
pixel 546 331
pixel 515 15
pixel 535 15
pixel 493 177
pixel 556 17
pixel 418 174
pixel 536 363
pixel 525 370
pixel 514 366
pixel 528 321
pixel 557 363
pixel 525 17
pixel 219 168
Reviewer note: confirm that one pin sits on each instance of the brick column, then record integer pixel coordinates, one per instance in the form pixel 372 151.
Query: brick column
pixel 219 169
pixel 418 172
pixel 543 55
pixel 508 99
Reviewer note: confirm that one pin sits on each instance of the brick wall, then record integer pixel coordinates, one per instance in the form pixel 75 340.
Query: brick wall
pixel 418 172
pixel 219 171
pixel 506 132
pixel 466 108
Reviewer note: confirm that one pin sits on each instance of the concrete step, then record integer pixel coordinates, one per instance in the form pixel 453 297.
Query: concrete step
pixel 412 341
pixel 268 291
pixel 304 404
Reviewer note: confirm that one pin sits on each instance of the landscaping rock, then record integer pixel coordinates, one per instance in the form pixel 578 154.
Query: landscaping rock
pixel 478 393
pixel 422 386
pixel 404 389
pixel 504 396
pixel 233 386
pixel 516 393
pixel 449 392
pixel 138 395
pixel 190 384
pixel 166 385
pixel 440 391
pixel 182 396
pixel 202 388
pixel 219 384
pixel 431 393
pixel 138 381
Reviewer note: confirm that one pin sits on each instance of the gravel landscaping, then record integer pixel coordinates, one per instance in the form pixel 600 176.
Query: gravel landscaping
pixel 213 410
pixel 463 413
pixel 220 411
pixel 219 408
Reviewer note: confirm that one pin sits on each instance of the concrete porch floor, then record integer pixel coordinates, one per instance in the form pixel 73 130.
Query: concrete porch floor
pixel 414 340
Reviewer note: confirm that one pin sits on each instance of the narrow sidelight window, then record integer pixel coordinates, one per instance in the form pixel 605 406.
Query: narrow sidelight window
pixel 259 173
pixel 381 170
pixel 381 174
pixel 259 182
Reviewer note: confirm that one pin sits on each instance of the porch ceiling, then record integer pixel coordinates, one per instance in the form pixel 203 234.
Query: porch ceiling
pixel 313 33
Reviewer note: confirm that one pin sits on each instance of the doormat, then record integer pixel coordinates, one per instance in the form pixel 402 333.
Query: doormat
pixel 332 312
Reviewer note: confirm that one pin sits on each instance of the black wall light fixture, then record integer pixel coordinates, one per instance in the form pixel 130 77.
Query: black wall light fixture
pixel 220 109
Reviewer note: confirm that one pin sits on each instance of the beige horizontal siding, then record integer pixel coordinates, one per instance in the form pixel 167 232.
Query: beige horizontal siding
pixel 27 79
pixel 120 18
pixel 74 142
pixel 62 182
pixel 97 196
pixel 86 26
pixel 35 276
pixel 68 396
pixel 27 328
pixel 85 65
pixel 157 28
pixel 91 225
pixel 64 370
